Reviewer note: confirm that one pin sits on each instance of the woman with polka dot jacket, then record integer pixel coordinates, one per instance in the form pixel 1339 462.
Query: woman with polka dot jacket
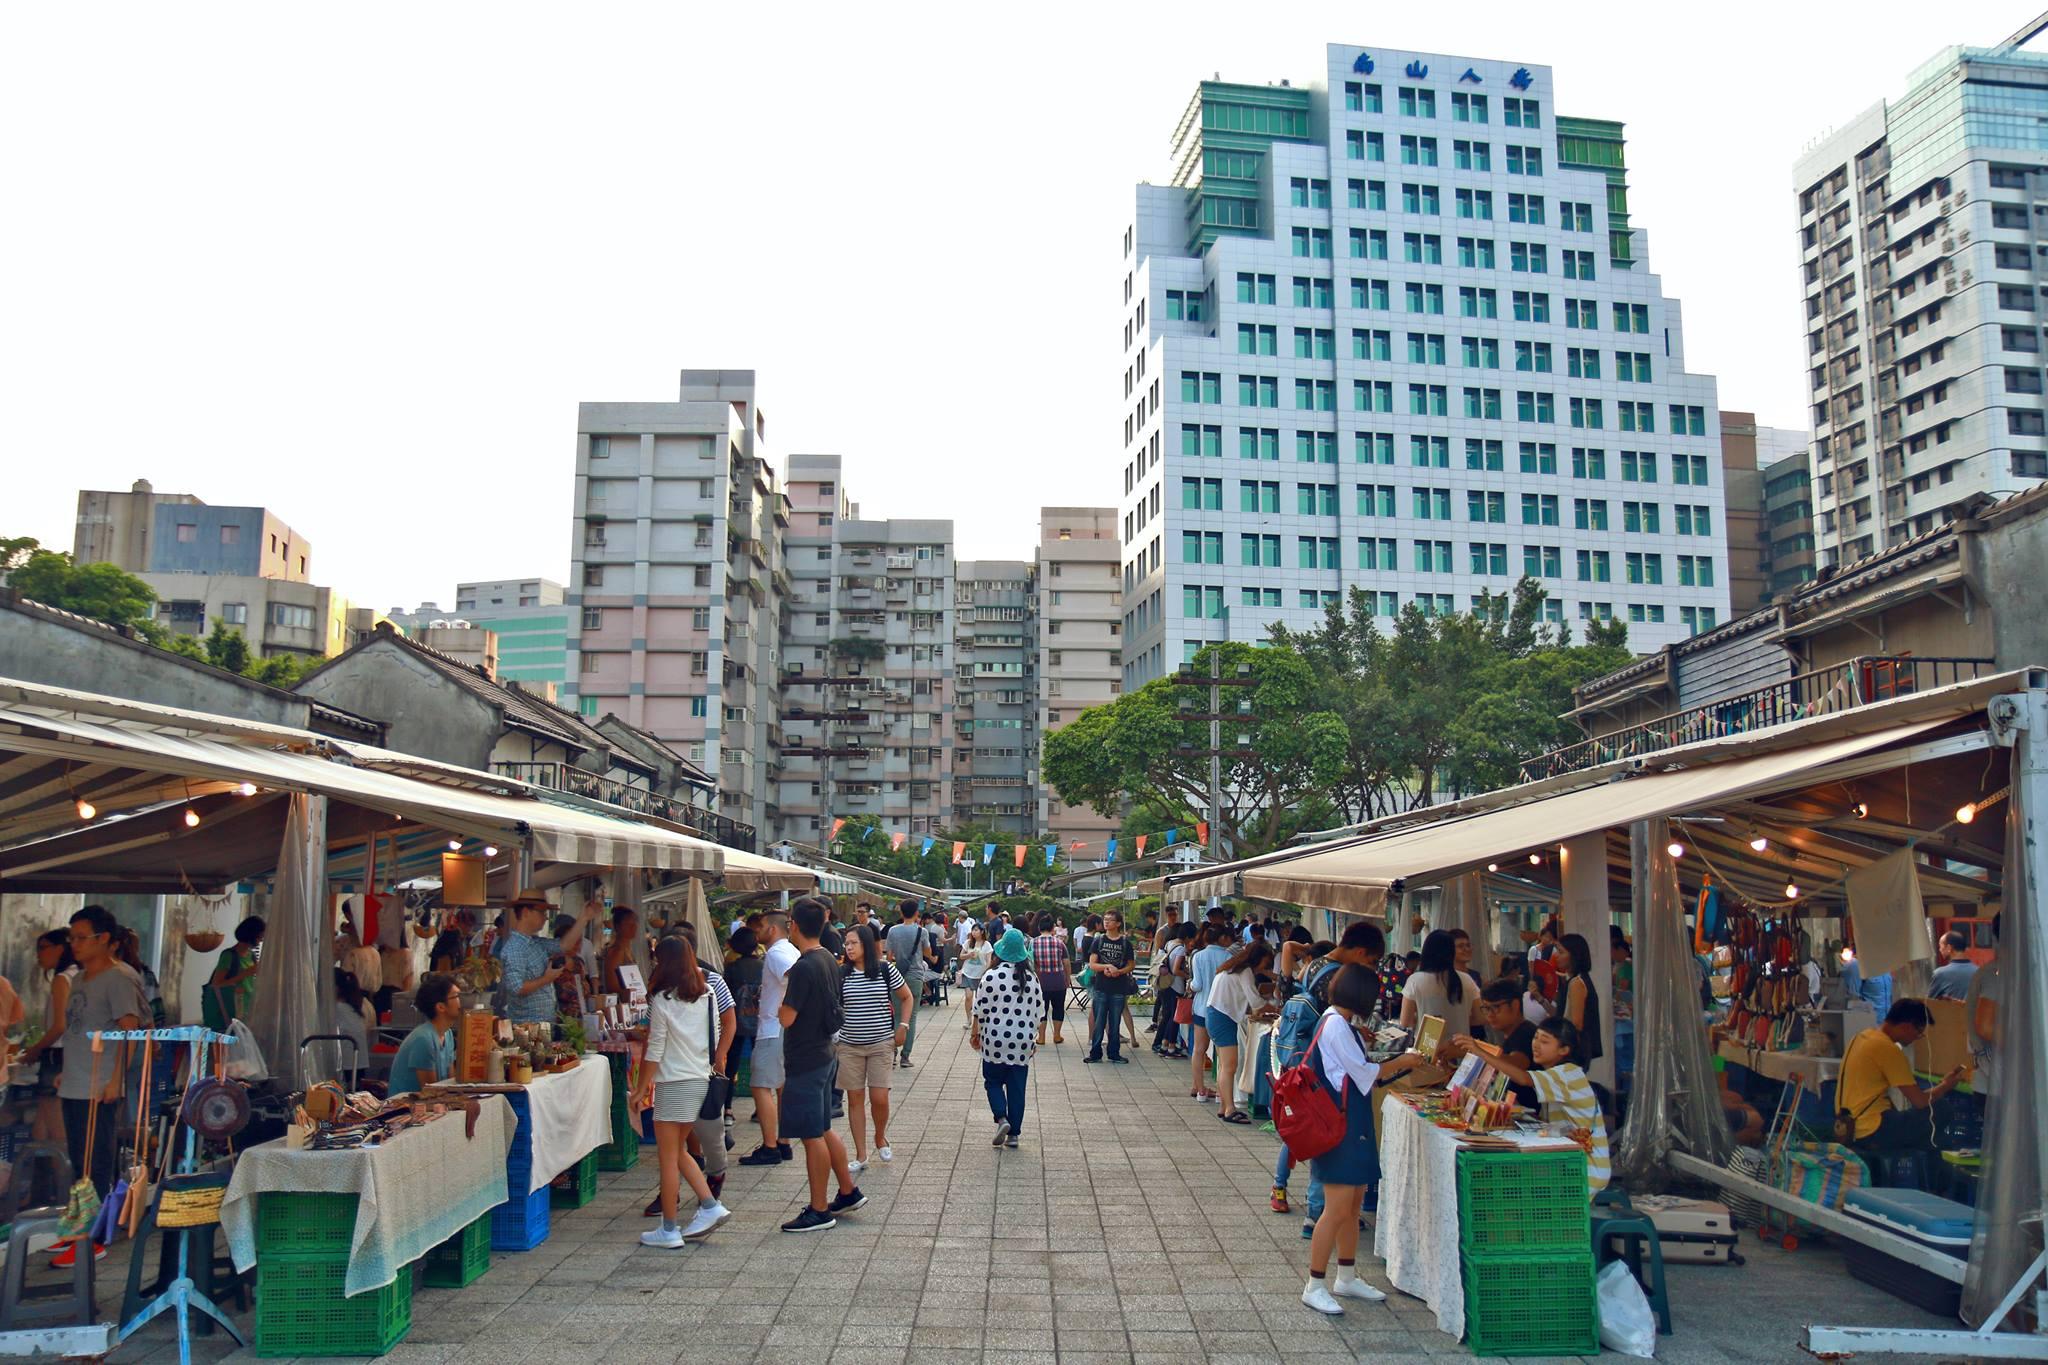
pixel 1008 1005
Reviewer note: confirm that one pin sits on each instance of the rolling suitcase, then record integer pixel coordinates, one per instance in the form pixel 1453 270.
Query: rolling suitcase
pixel 1691 1231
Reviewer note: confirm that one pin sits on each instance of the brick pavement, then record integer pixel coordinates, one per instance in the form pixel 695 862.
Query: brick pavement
pixel 1130 1226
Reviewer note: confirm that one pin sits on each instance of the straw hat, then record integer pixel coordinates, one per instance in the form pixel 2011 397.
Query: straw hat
pixel 530 896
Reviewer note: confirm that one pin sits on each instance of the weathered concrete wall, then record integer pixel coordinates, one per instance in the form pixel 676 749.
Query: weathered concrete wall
pixel 428 715
pixel 2005 568
pixel 40 651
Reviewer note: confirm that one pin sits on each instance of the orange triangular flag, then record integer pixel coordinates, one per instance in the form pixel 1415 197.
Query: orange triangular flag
pixel 1020 855
pixel 959 850
pixel 1141 844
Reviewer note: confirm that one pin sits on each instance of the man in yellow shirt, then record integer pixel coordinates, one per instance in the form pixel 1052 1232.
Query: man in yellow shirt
pixel 1874 1066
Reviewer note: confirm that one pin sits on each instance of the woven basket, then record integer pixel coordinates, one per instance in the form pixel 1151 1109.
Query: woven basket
pixel 204 940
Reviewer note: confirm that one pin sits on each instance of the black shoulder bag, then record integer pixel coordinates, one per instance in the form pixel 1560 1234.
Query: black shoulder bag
pixel 718 1089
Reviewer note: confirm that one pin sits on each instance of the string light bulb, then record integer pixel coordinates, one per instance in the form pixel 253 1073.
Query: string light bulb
pixel 191 818
pixel 1848 953
pixel 1535 860
pixel 1759 843
pixel 1675 849
pixel 455 845
pixel 1861 810
pixel 246 789
pixel 1966 812
pixel 490 850
pixel 1791 891
pixel 87 810
pixel 1493 867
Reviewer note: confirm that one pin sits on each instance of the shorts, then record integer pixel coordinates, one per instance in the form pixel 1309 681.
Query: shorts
pixel 764 1070
pixel 1055 989
pixel 866 1066
pixel 807 1102
pixel 679 1101
pixel 1222 1030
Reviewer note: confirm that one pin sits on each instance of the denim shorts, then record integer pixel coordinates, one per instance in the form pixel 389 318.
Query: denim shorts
pixel 1222 1030
pixel 807 1102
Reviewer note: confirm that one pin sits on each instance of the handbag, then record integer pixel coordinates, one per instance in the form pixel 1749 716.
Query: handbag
pixel 1184 1010
pixel 717 1089
pixel 1845 1122
pixel 82 1205
pixel 1309 1120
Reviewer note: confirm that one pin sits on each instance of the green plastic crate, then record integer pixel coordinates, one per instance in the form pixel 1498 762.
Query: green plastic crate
pixel 580 1186
pixel 304 1227
pixel 622 1153
pixel 1539 1304
pixel 1522 1201
pixel 300 1311
pixel 462 1259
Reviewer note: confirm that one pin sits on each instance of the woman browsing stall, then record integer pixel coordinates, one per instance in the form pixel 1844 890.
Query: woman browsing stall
pixel 684 1050
pixel 1561 1087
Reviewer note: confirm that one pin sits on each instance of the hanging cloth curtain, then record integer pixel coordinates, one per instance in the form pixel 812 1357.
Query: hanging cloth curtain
pixel 295 983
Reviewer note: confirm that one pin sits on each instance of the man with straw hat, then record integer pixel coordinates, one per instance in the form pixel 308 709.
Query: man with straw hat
pixel 531 962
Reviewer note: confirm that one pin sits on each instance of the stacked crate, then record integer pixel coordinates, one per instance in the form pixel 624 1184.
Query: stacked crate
pixel 462 1259
pixel 622 1153
pixel 1526 1248
pixel 302 1247
pixel 521 1222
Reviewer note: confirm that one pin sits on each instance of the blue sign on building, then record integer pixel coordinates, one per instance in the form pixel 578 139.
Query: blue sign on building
pixel 1363 64
pixel 1471 75
pixel 1521 79
pixel 1417 70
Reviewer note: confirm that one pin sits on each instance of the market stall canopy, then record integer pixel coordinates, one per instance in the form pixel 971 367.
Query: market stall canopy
pixel 1357 875
pixel 59 749
pixel 745 871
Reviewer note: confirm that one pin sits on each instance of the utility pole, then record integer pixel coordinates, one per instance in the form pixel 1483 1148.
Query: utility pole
pixel 1215 743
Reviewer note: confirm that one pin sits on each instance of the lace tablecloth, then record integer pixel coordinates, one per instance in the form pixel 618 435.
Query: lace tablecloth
pixel 413 1192
pixel 1416 1232
pixel 572 1117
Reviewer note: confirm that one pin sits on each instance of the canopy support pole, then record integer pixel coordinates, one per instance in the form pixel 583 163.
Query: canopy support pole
pixel 1583 884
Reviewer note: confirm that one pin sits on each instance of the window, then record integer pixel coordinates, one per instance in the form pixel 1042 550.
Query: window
pixel 1644 568
pixel 1420 199
pixel 235 613
pixel 1429 452
pixel 1539 509
pixel 1366 194
pixel 1258 443
pixel 1371 447
pixel 1587 413
pixel 1476 253
pixel 1468 108
pixel 1638 466
pixel 1418 103
pixel 1422 248
pixel 1315 552
pixel 1425 298
pixel 1315 447
pixel 1689 469
pixel 1532 357
pixel 1432 556
pixel 1480 353
pixel 1258 391
pixel 1538 457
pixel 291 617
pixel 1432 504
pixel 1542 561
pixel 1201 495
pixel 1253 288
pixel 1428 400
pixel 1632 317
pixel 1377 553
pixel 1687 420
pixel 1475 204
pixel 1314 343
pixel 1488 558
pixel 1520 113
pixel 1531 307
pixel 1640 517
pixel 700 618
pixel 600 447
pixel 1371 344
pixel 1482 455
pixel 1305 193
pixel 1525 160
pixel 1582 314
pixel 1697 619
pixel 1201 442
pixel 1371 294
pixel 1372 395
pixel 1525 208
pixel 1488 507
pixel 1258 495
pixel 1254 339
pixel 1376 500
pixel 1426 348
pixel 1478 303
pixel 1368 244
pixel 1201 547
pixel 188 531
pixel 1637 416
pixel 1589 514
pixel 1528 258
pixel 1259 551
pixel 1535 407
pixel 1418 151
pixel 1483 404
pixel 1588 463
pixel 1203 386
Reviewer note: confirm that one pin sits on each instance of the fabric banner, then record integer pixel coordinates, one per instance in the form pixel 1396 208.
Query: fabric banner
pixel 1141 844
pixel 959 851
pixel 1890 919
pixel 1020 855
pixel 1110 856
pixel 988 854
pixel 928 848
pixel 1171 835
pixel 837 825
pixel 1202 831
pixel 896 842
pixel 1050 851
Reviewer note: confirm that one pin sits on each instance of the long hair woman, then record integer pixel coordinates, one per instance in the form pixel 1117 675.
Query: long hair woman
pixel 1337 1054
pixel 53 956
pixel 974 960
pixel 869 988
pixel 682 1036
pixel 1439 989
pixel 1233 1000
pixel 1007 1011
pixel 1580 1001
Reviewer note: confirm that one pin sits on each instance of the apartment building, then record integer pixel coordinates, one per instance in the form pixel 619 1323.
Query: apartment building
pixel 1396 330
pixel 144 531
pixel 1918 228
pixel 995 688
pixel 676 579
pixel 1747 449
pixel 1788 556
pixel 1078 642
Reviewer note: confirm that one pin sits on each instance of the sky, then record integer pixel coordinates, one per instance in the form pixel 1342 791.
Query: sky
pixel 359 264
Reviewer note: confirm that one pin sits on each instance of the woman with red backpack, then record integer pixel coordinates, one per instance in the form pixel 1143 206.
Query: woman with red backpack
pixel 1337 1058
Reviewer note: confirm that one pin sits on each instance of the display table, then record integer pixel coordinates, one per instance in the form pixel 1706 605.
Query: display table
pixel 413 1192
pixel 1781 1066
pixel 1416 1231
pixel 571 1113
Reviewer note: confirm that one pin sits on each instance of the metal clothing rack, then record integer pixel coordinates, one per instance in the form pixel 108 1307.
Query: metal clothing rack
pixel 181 1296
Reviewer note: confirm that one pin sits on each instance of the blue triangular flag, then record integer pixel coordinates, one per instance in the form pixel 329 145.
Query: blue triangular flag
pixel 988 854
pixel 1050 850
pixel 869 833
pixel 1171 835
pixel 926 849
pixel 1110 855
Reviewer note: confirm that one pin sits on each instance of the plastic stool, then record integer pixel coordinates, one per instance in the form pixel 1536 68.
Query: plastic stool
pixel 48 1306
pixel 1634 1230
pixel 31 1159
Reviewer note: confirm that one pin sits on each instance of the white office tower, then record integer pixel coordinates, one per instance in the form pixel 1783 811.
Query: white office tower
pixel 1918 230
pixel 1393 330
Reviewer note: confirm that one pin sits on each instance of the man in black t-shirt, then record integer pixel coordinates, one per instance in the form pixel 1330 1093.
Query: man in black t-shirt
pixel 1500 1007
pixel 1112 957
pixel 811 1014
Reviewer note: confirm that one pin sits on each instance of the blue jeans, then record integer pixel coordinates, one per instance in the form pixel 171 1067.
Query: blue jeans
pixel 1284 1167
pixel 1004 1082
pixel 1169 1031
pixel 1106 1013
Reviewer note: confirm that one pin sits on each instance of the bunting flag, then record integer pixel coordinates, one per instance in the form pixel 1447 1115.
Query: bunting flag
pixel 1050 850
pixel 1171 835
pixel 988 854
pixel 1110 855
pixel 1020 855
pixel 1074 847
pixel 896 842
pixel 1141 844
pixel 1202 831
pixel 869 833
pixel 837 825
pixel 959 851
pixel 927 847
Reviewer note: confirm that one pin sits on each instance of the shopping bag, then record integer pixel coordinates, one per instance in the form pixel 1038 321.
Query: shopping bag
pixel 1626 1324
pixel 245 1058
pixel 82 1205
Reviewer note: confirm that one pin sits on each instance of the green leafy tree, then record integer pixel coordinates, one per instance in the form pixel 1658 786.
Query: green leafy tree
pixel 100 591
pixel 1150 746
pixel 282 670
pixel 228 648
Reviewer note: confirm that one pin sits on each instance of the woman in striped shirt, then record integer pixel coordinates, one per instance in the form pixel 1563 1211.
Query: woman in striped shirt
pixel 1561 1088
pixel 868 985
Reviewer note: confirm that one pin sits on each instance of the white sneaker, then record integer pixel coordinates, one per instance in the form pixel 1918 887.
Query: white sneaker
pixel 1351 1287
pixel 856 1167
pixel 707 1218
pixel 1316 1296
pixel 884 1154
pixel 668 1239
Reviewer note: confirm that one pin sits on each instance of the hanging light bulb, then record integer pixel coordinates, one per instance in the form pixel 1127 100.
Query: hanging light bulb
pixel 1493 867
pixel 191 818
pixel 1791 891
pixel 1535 860
pixel 1861 810
pixel 1675 849
pixel 1966 812
pixel 87 810
pixel 246 789
pixel 490 850
pixel 1848 953
pixel 1759 843
pixel 455 845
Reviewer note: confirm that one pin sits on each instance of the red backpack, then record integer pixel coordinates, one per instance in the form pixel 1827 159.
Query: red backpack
pixel 1310 1121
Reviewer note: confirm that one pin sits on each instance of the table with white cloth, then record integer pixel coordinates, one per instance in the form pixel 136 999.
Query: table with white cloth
pixel 413 1192
pixel 572 1117
pixel 1416 1231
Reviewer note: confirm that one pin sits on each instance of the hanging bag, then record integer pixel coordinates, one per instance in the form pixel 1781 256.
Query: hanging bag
pixel 1309 1119
pixel 82 1206
pixel 718 1089
pixel 1845 1122
pixel 138 1169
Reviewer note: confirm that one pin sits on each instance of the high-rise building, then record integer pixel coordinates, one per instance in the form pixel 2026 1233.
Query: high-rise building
pixel 1923 293
pixel 1747 449
pixel 144 531
pixel 530 619
pixel 995 695
pixel 1788 558
pixel 1396 331
pixel 1079 644
pixel 675 558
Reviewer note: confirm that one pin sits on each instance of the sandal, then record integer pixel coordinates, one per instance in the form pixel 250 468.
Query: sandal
pixel 1239 1117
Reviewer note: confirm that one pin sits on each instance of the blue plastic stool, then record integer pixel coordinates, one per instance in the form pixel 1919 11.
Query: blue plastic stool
pixel 1634 1231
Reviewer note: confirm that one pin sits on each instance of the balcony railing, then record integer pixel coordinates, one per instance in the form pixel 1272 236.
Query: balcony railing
pixel 574 781
pixel 1859 682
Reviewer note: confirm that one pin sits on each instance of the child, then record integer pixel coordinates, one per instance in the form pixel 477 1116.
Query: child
pixel 1561 1088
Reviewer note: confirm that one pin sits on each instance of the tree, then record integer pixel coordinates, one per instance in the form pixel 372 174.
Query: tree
pixel 282 670
pixel 100 591
pixel 1151 746
pixel 227 648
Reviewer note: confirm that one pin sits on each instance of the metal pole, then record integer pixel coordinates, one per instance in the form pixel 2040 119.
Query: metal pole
pixel 1215 743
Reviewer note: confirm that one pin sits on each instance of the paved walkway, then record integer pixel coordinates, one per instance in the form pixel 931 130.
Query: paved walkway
pixel 1130 1225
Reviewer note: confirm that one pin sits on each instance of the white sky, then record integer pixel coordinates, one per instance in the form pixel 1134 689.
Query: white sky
pixel 359 264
